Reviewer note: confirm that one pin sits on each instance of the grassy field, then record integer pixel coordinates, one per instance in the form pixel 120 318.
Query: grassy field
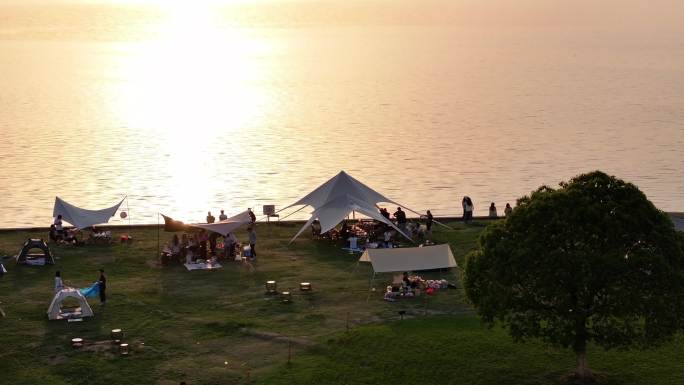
pixel 218 327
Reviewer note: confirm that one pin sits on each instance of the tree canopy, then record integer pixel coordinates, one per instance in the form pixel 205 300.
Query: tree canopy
pixel 591 261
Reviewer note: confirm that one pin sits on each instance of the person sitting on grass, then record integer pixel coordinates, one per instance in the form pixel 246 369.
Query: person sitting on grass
pixel 70 237
pixel 175 246
pixel 53 236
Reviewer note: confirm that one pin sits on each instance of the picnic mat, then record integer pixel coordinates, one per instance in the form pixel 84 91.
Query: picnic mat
pixel 202 266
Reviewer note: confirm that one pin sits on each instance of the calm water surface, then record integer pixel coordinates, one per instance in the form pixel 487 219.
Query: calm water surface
pixel 191 109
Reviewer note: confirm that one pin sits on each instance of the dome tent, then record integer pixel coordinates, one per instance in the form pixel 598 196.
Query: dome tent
pixel 55 312
pixel 27 258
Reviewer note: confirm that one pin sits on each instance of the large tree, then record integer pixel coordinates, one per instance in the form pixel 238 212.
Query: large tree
pixel 591 261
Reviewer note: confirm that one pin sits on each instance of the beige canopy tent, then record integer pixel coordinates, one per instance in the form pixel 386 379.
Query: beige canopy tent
pixel 55 312
pixel 83 218
pixel 409 258
pixel 335 199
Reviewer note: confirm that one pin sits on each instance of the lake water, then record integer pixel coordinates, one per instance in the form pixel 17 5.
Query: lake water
pixel 187 109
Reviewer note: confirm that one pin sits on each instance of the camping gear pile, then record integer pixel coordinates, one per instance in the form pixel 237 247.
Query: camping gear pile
pixel 415 286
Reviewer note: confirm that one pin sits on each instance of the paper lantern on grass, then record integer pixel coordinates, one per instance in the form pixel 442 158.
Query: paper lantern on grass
pixel 271 287
pixel 305 286
pixel 117 335
pixel 77 343
pixel 286 296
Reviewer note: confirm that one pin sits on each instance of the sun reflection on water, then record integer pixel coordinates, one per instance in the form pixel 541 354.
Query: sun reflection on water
pixel 194 89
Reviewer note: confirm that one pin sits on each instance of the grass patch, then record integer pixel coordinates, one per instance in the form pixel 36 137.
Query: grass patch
pixel 218 327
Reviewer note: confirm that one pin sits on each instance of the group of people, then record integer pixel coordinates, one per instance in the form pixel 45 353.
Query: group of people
pixel 203 244
pixel 58 234
pixel 70 236
pixel 469 208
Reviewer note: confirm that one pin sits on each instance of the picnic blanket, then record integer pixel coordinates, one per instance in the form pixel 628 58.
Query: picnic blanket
pixel 203 266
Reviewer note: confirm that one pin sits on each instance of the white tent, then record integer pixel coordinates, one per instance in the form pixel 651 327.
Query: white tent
pixel 82 218
pixel 340 185
pixel 409 258
pixel 335 199
pixel 226 226
pixel 54 312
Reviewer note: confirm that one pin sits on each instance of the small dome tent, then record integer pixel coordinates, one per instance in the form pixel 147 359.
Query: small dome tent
pixel 55 311
pixel 27 258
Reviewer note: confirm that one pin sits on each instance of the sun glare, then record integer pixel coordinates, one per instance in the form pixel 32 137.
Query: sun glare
pixel 194 82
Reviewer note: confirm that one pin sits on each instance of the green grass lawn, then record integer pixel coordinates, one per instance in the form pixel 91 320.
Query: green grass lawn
pixel 218 327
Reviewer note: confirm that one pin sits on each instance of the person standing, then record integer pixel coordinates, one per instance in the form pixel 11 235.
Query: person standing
pixel 102 283
pixel 428 221
pixel 203 238
pixel 388 238
pixel 492 211
pixel 222 216
pixel 464 203
pixel 251 215
pixel 210 218
pixel 400 216
pixel 252 241
pixel 469 208
pixel 59 284
pixel 229 242
pixel 59 230
pixel 212 243
pixel 508 210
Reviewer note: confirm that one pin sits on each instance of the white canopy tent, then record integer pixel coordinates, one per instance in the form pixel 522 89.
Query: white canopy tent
pixel 335 199
pixel 409 258
pixel 54 312
pixel 228 225
pixel 82 218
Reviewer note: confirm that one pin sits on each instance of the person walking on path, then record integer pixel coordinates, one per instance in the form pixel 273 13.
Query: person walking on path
pixel 252 241
pixel 102 281
pixel 251 215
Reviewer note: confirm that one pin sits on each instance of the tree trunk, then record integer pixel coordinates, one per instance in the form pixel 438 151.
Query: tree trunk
pixel 582 371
